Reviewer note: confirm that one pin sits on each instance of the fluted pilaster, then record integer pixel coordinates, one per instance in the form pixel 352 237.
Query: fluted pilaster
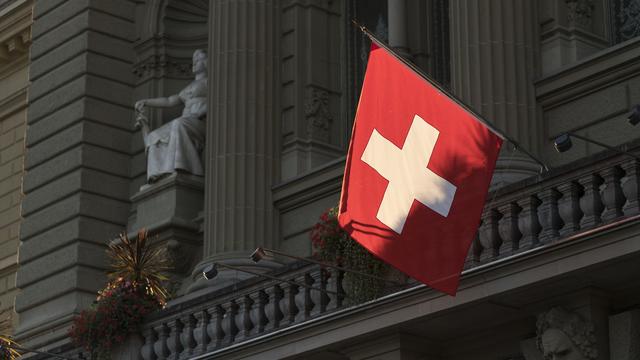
pixel 493 48
pixel 239 214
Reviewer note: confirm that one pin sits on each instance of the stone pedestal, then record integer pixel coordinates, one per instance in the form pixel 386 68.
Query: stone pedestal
pixel 171 209
pixel 493 67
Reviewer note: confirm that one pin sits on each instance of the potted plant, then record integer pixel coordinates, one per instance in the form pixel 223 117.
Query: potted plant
pixel 135 289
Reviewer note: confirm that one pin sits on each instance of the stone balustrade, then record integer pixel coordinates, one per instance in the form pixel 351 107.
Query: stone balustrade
pixel 251 308
pixel 528 214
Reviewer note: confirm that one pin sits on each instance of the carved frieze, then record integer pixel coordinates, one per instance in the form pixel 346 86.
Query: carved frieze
pixel 627 13
pixel 161 66
pixel 579 13
pixel 318 115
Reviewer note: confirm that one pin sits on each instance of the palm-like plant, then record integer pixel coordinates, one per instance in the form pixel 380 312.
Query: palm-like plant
pixel 7 345
pixel 140 262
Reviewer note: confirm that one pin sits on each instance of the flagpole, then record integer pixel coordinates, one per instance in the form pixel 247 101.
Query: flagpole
pixel 425 76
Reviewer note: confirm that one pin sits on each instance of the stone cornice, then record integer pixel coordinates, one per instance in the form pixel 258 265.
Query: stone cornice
pixel 15 34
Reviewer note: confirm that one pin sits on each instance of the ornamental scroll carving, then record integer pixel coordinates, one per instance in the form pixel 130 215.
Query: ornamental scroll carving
pixel 318 116
pixel 580 12
pixel 166 66
pixel 564 335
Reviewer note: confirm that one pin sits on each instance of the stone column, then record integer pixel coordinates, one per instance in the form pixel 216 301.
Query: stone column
pixel 397 10
pixel 241 133
pixel 493 66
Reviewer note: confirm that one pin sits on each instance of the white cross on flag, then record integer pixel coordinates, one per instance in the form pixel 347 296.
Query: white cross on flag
pixel 417 174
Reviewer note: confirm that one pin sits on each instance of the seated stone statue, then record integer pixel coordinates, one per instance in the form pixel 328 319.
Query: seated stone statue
pixel 178 144
pixel 562 335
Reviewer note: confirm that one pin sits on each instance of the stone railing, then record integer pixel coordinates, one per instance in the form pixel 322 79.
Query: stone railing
pixel 249 309
pixel 583 195
pixel 564 202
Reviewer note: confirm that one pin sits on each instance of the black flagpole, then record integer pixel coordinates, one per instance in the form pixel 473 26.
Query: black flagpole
pixel 462 104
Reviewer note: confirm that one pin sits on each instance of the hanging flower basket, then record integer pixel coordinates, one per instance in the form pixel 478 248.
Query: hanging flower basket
pixel 134 291
pixel 332 244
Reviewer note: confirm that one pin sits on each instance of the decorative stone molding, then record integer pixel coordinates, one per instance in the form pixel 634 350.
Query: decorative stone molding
pixel 579 13
pixel 164 65
pixel 557 323
pixel 318 116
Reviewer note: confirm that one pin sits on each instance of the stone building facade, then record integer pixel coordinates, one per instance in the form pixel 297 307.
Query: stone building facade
pixel 15 39
pixel 555 251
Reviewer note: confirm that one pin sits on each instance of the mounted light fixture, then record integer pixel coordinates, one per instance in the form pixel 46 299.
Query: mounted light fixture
pixel 260 253
pixel 211 271
pixel 563 143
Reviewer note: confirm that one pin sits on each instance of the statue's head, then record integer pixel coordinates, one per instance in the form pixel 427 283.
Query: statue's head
pixel 199 61
pixel 562 335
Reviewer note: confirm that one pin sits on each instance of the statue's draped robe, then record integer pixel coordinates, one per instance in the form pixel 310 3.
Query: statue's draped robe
pixel 178 144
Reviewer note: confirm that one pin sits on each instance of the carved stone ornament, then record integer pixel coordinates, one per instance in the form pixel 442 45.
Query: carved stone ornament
pixel 563 335
pixel 629 19
pixel 164 65
pixel 318 116
pixel 178 144
pixel 579 12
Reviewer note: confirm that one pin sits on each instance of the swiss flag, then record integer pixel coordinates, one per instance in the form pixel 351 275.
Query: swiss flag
pixel 417 174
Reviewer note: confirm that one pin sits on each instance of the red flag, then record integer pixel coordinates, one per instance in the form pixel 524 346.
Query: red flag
pixel 417 174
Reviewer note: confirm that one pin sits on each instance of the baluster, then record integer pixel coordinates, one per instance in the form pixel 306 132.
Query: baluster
pixel 489 236
pixel 508 228
pixel 187 338
pixel 173 341
pixel 258 314
pixel 590 202
pixel 291 310
pixel 549 215
pixel 317 296
pixel 273 309
pixel 200 334
pixel 325 298
pixel 569 207
pixel 631 187
pixel 147 351
pixel 303 298
pixel 611 193
pixel 528 222
pixel 160 346
pixel 246 324
pixel 215 330
pixel 229 322
pixel 334 283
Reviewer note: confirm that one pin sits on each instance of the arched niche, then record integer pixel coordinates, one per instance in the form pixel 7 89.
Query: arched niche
pixel 168 33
